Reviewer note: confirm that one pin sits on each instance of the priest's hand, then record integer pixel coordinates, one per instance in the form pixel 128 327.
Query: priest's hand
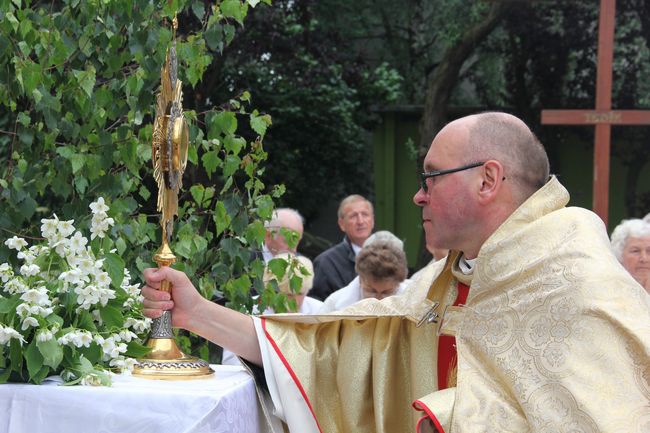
pixel 227 328
pixel 182 301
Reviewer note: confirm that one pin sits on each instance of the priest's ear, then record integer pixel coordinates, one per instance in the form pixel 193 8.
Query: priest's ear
pixel 492 181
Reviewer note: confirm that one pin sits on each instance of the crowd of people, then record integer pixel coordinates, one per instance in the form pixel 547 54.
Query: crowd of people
pixel 527 319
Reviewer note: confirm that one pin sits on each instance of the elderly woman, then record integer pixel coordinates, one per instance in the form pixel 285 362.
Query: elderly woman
pixel 381 267
pixel 631 244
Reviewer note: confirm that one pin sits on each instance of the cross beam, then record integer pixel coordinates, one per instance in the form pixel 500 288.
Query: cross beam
pixel 603 117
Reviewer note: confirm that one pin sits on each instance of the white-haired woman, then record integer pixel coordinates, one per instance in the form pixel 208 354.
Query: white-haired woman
pixel 382 269
pixel 631 244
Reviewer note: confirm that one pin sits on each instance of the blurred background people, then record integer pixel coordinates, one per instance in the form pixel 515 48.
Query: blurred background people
pixel 283 233
pixel 305 304
pixel 631 244
pixel 334 267
pixel 382 269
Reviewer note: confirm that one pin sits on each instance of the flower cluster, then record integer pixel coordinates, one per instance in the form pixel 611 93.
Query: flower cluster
pixel 69 308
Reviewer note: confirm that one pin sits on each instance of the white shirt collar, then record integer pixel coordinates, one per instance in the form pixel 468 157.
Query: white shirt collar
pixel 466 266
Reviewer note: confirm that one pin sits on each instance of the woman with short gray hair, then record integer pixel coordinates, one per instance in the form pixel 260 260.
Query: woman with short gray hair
pixel 631 245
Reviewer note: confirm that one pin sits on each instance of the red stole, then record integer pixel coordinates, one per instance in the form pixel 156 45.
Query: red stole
pixel 447 344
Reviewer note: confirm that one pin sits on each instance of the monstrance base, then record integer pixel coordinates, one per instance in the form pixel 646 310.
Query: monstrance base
pixel 167 362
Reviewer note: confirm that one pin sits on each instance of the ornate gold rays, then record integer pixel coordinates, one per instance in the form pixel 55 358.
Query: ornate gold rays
pixel 170 139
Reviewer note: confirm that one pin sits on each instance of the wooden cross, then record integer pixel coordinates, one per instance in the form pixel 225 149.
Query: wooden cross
pixel 603 116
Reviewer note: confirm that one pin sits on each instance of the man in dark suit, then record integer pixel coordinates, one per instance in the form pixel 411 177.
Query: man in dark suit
pixel 334 267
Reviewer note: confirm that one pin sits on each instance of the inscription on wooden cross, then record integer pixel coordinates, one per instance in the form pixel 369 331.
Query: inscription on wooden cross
pixel 603 117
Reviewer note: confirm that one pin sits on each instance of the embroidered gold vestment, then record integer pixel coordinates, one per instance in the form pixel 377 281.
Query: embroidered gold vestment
pixel 555 336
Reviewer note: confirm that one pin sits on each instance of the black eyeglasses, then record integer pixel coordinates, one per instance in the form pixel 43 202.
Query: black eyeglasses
pixel 424 176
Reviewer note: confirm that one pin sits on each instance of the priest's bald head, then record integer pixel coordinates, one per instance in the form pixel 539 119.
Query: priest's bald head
pixel 478 170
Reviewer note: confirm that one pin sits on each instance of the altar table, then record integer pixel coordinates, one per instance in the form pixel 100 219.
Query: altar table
pixel 223 403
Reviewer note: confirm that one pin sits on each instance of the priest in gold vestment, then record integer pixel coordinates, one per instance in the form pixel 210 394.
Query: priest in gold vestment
pixel 537 327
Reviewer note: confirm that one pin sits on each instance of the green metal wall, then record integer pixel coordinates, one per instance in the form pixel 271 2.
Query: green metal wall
pixel 396 180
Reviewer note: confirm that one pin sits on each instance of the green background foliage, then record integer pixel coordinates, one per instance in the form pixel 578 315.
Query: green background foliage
pixel 77 89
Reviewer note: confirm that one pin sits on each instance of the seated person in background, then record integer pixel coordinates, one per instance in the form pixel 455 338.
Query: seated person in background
pixel 334 267
pixel 305 304
pixel 631 244
pixel 381 268
pixel 285 223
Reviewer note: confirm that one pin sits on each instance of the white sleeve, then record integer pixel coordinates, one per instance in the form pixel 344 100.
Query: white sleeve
pixel 290 403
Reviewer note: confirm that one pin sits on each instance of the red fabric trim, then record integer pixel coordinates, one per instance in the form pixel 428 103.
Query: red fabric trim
pixel 290 371
pixel 418 405
pixel 447 344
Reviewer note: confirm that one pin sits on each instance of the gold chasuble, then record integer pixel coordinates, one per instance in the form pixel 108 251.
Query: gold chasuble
pixel 359 369
pixel 554 337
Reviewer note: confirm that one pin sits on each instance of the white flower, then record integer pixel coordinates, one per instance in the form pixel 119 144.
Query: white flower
pixel 124 364
pixel 6 272
pixel 77 273
pixel 16 243
pixel 27 256
pixel 98 206
pixel 100 225
pixel 29 322
pixel 49 227
pixel 103 280
pixel 36 296
pixel 22 310
pixel 16 285
pixel 86 266
pixel 44 335
pixel 97 317
pixel 139 325
pixel 77 243
pixel 29 270
pixel 127 336
pixel 65 228
pixel 81 338
pixel 7 333
pixel 91 380
pixel 60 244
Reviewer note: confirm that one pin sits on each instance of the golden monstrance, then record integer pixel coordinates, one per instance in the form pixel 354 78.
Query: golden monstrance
pixel 169 145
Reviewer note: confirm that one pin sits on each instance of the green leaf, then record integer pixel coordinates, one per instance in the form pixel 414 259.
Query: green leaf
pixel 224 123
pixel 136 350
pixel 211 161
pixel 93 353
pixel 231 165
pixel 23 118
pixel 198 192
pixel 112 316
pixel 9 16
pixel 278 267
pixel 34 359
pixel 233 9
pixel 9 304
pixel 51 351
pixel 221 217
pixel 201 243
pixel 114 265
pixel 234 144
pixel 260 123
pixel 85 366
pixel 4 374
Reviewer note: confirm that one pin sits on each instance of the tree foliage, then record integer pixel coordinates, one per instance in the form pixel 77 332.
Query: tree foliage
pixel 77 87
pixel 321 95
pixel 545 54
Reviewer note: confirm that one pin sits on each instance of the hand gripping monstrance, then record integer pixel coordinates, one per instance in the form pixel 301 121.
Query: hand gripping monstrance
pixel 170 139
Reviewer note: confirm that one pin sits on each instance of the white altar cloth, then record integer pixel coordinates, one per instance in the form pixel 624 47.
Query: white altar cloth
pixel 224 403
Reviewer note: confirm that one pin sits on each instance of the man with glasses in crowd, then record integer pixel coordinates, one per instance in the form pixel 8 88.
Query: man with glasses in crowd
pixel 530 325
